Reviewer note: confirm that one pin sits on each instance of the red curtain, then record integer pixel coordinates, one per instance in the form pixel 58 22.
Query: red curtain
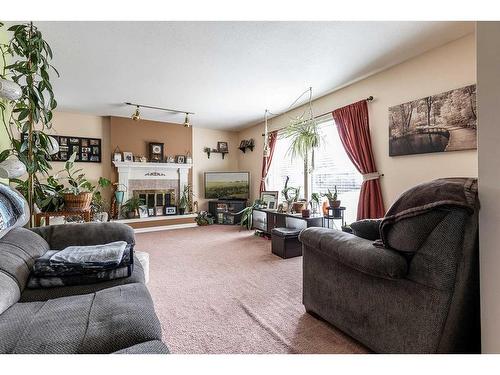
pixel 354 131
pixel 266 161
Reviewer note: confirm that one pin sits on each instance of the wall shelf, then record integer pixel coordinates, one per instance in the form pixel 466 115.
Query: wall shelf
pixel 208 152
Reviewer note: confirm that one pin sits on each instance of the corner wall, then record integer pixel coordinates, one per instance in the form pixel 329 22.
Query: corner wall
pixel 201 163
pixel 444 68
pixel 488 90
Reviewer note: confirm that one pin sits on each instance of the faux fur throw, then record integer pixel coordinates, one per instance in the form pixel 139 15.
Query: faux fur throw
pixel 455 192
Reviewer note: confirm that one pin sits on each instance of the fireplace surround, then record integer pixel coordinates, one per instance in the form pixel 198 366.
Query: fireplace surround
pixel 153 177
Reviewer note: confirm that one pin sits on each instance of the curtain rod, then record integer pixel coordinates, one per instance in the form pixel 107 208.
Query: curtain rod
pixel 369 99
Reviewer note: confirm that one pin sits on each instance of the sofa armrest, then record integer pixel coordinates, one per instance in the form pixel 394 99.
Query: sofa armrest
pixel 62 236
pixel 355 252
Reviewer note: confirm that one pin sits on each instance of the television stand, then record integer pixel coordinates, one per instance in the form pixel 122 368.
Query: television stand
pixel 223 210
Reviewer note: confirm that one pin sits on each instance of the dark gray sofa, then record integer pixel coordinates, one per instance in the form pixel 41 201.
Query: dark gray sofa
pixel 420 296
pixel 110 317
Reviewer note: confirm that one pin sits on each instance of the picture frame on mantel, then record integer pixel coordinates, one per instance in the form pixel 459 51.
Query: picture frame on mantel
pixel 156 152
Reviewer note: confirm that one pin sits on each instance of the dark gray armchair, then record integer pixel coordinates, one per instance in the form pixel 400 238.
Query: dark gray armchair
pixel 419 296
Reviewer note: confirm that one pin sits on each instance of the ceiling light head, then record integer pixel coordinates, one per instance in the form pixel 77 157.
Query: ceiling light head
pixel 136 116
pixel 187 124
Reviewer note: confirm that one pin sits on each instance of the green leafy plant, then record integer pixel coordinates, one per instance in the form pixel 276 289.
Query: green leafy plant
pixel 247 214
pixel 315 197
pixel 132 205
pixel 304 139
pixel 204 218
pixel 76 179
pixel 47 196
pixel 290 193
pixel 99 204
pixel 31 114
pixel 186 198
pixel 332 197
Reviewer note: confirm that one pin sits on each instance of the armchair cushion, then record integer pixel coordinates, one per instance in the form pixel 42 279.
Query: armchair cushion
pixel 355 252
pixel 369 229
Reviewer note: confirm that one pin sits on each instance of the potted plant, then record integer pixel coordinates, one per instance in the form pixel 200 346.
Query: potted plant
pixel 204 219
pixel 332 198
pixel 315 202
pixel 185 199
pixel 246 214
pixel 99 205
pixel 78 195
pixel 29 112
pixel 291 195
pixel 131 207
pixel 304 139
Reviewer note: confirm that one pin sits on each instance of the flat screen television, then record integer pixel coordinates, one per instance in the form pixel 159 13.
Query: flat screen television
pixel 227 185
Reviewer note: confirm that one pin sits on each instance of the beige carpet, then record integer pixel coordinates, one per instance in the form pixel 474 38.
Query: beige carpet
pixel 220 290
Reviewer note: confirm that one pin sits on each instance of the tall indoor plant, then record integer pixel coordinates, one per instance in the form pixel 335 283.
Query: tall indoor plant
pixel 304 139
pixel 31 114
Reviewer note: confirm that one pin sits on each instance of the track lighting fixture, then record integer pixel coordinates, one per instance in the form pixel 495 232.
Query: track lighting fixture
pixel 136 116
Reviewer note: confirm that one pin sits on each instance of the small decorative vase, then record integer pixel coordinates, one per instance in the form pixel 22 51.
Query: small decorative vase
pixel 306 213
pixel 325 207
pixel 182 211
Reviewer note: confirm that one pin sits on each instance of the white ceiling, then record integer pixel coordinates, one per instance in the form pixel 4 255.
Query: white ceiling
pixel 226 72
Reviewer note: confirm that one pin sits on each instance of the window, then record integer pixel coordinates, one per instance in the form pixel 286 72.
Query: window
pixel 282 166
pixel 332 167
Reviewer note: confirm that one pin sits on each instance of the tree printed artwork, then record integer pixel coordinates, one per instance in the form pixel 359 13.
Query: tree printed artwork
pixel 438 123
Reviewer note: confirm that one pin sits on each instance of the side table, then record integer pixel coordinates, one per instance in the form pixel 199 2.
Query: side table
pixel 338 214
pixel 86 214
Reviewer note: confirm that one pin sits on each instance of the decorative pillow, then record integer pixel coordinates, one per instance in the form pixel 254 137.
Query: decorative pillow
pixel 367 229
pixel 13 209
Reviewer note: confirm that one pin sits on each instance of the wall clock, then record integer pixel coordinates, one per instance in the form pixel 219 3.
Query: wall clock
pixel 156 151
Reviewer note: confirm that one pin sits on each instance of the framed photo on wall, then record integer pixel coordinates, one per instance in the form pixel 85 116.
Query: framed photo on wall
pixel 222 146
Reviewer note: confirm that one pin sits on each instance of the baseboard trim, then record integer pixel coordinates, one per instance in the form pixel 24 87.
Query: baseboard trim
pixel 165 227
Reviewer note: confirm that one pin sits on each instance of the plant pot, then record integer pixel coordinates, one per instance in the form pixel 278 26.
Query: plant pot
pixel 78 202
pixel 119 194
pixel 334 204
pixel 130 214
pixel 306 212
pixel 299 206
pixel 182 211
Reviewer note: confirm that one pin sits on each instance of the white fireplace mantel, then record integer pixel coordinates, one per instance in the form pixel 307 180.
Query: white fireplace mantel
pixel 151 171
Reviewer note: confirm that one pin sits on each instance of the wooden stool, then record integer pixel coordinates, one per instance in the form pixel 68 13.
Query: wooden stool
pixel 285 242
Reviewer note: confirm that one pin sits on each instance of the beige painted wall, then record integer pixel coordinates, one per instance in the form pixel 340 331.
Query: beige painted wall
pixel 208 138
pixel 83 125
pixel 488 81
pixel 450 66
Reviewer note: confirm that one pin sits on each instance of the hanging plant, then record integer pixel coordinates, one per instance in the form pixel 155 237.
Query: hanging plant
pixel 304 138
pixel 32 113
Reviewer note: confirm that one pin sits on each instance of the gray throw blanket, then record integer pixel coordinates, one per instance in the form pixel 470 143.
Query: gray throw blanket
pixel 107 255
pixel 456 192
